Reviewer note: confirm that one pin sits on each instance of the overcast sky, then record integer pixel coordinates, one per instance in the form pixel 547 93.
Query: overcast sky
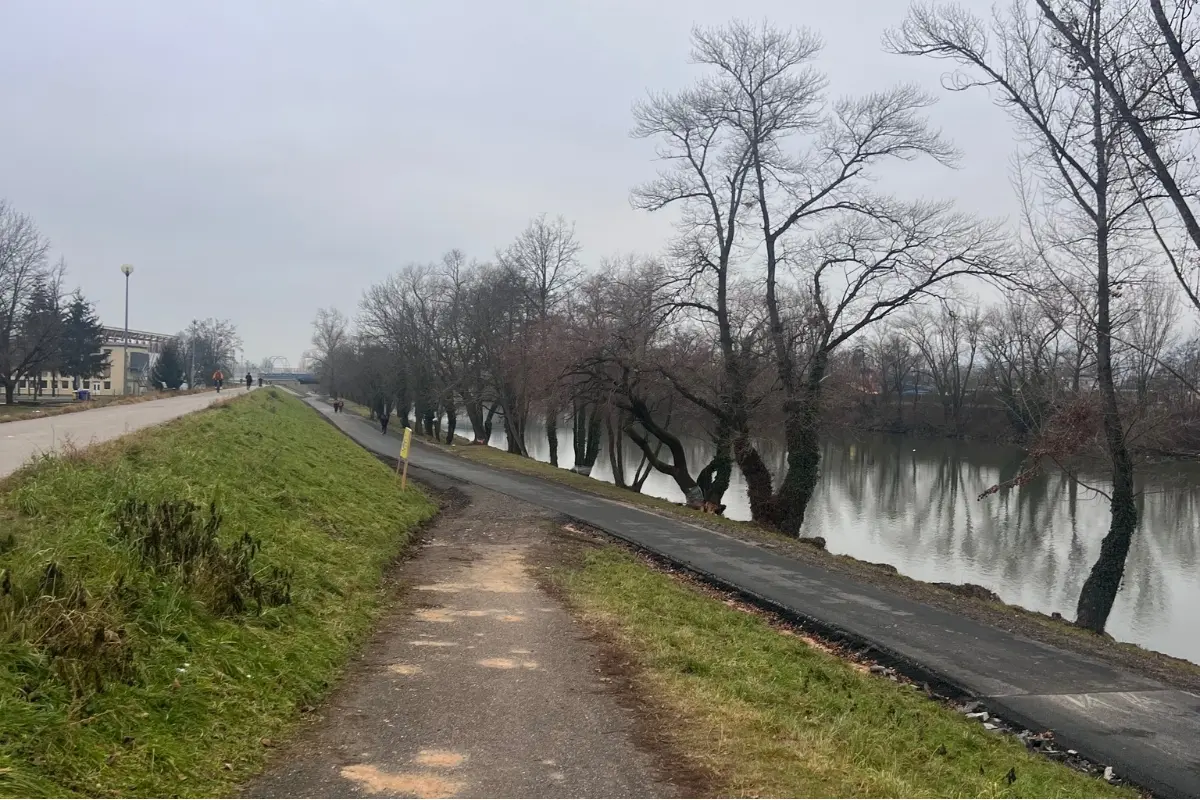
pixel 257 160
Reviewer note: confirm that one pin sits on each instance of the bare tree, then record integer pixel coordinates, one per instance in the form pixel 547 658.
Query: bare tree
pixel 948 343
pixel 1141 58
pixel 330 338
pixel 211 345
pixel 896 361
pixel 27 282
pixel 1081 220
pixel 545 259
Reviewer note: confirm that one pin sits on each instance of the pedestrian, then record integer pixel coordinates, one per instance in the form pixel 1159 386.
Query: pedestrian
pixel 383 421
pixel 260 381
pixel 249 381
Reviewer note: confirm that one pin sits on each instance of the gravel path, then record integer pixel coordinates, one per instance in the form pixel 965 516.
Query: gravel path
pixel 477 684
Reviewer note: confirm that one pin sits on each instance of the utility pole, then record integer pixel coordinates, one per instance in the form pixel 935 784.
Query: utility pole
pixel 127 269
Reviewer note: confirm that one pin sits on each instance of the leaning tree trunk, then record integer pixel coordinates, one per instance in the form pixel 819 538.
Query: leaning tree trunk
pixel 677 469
pixel 451 423
pixel 1100 589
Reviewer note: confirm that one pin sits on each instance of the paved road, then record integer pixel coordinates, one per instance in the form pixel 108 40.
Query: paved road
pixel 23 439
pixel 1148 732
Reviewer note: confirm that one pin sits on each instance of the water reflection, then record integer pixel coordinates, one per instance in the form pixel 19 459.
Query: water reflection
pixel 912 503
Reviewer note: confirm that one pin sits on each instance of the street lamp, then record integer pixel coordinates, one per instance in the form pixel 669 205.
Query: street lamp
pixel 127 269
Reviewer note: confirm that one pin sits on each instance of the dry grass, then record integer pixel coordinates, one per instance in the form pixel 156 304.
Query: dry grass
pixel 770 716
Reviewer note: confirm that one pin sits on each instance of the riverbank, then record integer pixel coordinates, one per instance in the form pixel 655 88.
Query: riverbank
pixel 173 601
pixel 974 602
pixel 764 712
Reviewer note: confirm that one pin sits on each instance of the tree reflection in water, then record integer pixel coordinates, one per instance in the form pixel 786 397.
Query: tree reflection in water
pixel 912 503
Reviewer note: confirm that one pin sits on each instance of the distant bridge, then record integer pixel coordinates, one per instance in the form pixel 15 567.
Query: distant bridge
pixel 289 377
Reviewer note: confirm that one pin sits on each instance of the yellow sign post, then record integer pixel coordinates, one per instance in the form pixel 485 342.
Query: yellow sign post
pixel 404 456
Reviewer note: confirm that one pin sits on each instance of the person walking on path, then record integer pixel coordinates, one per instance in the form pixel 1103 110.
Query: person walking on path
pixel 260 381
pixel 383 421
pixel 218 379
pixel 249 381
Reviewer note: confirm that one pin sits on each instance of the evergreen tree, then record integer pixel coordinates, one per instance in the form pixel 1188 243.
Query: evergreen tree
pixel 169 369
pixel 40 334
pixel 81 354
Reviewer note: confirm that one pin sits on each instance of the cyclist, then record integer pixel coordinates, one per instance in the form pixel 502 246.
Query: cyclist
pixel 218 379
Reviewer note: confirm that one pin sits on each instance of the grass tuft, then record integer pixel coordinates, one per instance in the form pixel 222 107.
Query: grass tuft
pixel 173 598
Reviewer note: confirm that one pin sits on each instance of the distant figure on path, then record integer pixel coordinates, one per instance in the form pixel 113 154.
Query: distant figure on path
pixel 260 381
pixel 218 379
pixel 249 381
pixel 383 421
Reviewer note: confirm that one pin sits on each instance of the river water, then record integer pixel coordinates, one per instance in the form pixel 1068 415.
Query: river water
pixel 912 503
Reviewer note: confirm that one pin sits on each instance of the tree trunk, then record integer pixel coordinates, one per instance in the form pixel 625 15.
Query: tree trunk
pixel 552 434
pixel 801 416
pixel 487 424
pixel 475 415
pixel 585 429
pixel 714 478
pixel 616 454
pixel 1100 589
pixel 9 388
pixel 451 423
pixel 763 509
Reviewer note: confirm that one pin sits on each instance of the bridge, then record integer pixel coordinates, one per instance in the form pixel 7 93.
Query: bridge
pixel 289 377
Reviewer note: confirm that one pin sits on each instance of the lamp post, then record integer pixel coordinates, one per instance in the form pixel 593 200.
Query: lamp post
pixel 127 269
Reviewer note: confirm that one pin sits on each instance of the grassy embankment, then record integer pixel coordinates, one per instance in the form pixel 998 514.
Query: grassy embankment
pixel 1008 617
pixel 147 649
pixel 19 410
pixel 766 715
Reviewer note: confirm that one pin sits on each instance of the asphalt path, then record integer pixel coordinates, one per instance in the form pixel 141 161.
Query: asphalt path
pixel 1147 731
pixel 22 440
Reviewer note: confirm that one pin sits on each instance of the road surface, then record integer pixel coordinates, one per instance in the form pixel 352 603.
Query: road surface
pixel 1147 731
pixel 23 439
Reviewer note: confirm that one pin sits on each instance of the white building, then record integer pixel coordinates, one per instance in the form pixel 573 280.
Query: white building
pixel 117 377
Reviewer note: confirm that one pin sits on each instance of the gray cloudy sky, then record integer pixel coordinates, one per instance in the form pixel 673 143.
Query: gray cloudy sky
pixel 256 160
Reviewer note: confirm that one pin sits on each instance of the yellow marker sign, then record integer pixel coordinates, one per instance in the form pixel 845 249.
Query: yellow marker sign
pixel 404 456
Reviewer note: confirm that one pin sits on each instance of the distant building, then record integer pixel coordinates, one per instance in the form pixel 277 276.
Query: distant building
pixel 118 377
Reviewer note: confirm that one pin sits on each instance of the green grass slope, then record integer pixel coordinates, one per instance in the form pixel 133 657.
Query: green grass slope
pixel 171 599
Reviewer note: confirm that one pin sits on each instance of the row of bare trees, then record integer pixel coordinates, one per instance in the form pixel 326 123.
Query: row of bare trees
pixel 794 288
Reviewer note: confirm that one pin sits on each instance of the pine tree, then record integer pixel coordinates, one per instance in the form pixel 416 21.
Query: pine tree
pixel 82 344
pixel 169 370
pixel 40 335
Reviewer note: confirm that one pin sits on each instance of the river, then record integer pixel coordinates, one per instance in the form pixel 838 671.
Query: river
pixel 912 503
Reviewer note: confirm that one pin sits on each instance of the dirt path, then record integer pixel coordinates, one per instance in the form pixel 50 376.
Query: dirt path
pixel 477 684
